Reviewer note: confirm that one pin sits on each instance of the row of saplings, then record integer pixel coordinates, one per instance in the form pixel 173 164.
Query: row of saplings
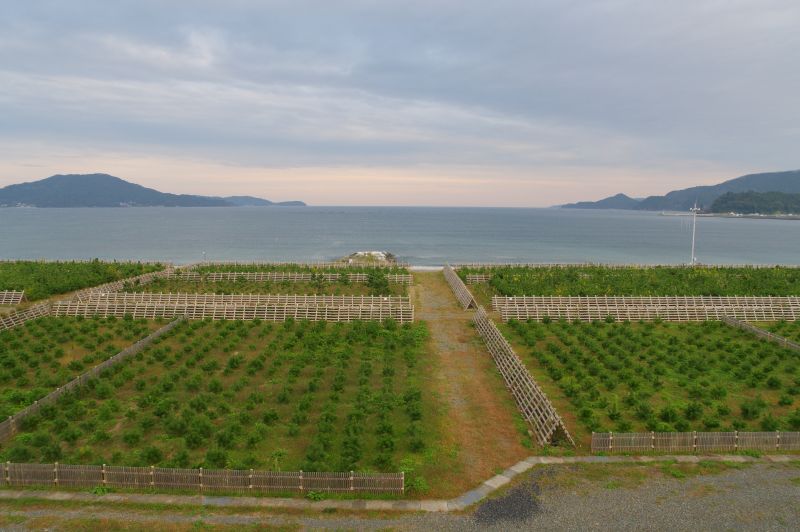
pixel 196 393
pixel 621 377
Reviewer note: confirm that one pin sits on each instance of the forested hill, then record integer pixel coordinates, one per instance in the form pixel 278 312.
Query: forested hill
pixel 757 202
pixel 704 196
pixel 103 190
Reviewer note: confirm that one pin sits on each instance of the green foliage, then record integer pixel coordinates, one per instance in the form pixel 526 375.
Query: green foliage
pixel 44 279
pixel 656 281
pixel 757 202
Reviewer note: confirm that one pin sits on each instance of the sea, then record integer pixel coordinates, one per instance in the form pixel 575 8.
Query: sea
pixel 422 236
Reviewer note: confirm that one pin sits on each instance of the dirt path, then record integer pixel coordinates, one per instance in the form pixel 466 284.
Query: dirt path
pixel 481 409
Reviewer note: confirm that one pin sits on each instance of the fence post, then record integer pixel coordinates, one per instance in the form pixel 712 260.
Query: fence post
pixel 777 440
pixel 201 480
pixel 55 474
pixel 251 480
pixel 653 441
pixel 152 476
pixel 610 441
pixel 694 440
pixel 352 487
pixel 104 475
pixel 8 474
pixel 301 480
pixel 735 440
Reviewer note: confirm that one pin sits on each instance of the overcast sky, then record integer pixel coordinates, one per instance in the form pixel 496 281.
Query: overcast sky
pixel 502 103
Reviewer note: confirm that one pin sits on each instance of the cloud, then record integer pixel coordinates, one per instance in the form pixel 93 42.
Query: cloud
pixel 611 93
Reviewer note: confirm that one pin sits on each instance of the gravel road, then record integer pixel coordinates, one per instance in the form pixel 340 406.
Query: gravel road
pixel 758 497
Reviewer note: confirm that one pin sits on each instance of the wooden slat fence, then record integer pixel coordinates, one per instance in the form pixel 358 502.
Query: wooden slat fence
pixel 19 318
pixel 478 278
pixel 534 405
pixel 772 337
pixel 462 293
pixel 612 266
pixel 117 286
pixel 11 297
pixel 9 427
pixel 240 481
pixel 680 308
pixel 671 442
pixel 313 265
pixel 291 277
pixel 281 312
pixel 179 298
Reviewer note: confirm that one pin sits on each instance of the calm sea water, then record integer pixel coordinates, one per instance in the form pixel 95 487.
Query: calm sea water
pixel 419 235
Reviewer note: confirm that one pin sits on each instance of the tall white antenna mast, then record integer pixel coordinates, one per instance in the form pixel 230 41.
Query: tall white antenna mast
pixel 694 231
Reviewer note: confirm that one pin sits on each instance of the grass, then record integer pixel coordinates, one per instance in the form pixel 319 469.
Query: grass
pixel 41 280
pixel 283 287
pixel 661 376
pixel 298 395
pixel 656 281
pixel 49 352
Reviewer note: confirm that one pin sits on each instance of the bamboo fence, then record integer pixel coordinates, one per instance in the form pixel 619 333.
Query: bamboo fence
pixel 613 266
pixel 11 297
pixel 534 405
pixel 312 264
pixel 243 299
pixel 239 481
pixel 462 293
pixel 679 308
pixel 671 442
pixel 19 318
pixel 271 312
pixel 291 277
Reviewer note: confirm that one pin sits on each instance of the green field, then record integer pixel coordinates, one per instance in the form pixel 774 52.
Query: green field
pixel 49 352
pixel 661 376
pixel 41 280
pixel 295 395
pixel 656 281
pixel 283 287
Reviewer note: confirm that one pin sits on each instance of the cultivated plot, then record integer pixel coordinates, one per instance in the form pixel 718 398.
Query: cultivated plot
pixel 661 377
pixel 48 352
pixel 290 396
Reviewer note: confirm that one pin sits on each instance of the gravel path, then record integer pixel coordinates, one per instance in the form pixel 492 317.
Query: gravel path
pixel 759 497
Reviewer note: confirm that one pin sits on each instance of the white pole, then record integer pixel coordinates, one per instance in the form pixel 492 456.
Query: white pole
pixel 694 232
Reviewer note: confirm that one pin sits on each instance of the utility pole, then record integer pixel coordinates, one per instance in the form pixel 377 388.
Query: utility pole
pixel 694 231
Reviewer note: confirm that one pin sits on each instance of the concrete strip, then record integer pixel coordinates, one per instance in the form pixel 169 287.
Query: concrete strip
pixel 521 467
pixel 497 481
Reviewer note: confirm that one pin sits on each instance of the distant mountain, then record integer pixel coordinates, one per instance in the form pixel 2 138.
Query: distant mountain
pixel 103 190
pixel 620 201
pixel 757 203
pixel 250 201
pixel 683 200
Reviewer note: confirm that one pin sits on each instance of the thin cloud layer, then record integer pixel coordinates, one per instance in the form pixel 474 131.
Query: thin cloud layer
pixel 436 102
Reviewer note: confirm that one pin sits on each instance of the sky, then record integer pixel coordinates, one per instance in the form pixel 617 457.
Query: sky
pixel 432 102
